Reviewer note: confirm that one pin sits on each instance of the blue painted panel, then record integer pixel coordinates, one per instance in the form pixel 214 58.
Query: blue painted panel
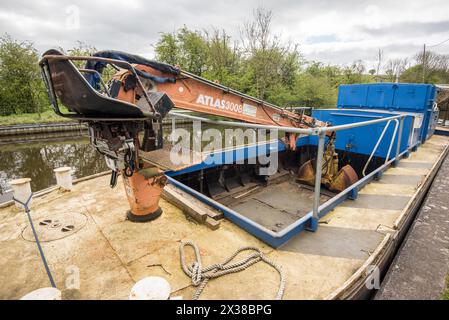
pixel 415 98
pixel 403 97
pixel 237 155
pixel 387 96
pixel 363 139
pixel 352 96
pixel 380 97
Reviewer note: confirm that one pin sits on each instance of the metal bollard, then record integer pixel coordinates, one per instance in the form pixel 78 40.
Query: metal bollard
pixel 21 191
pixel 64 178
pixel 49 293
pixel 151 288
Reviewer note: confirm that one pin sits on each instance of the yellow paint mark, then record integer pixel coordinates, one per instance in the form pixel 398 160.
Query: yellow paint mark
pixel 389 189
pixel 407 171
pixel 360 218
pixel 422 160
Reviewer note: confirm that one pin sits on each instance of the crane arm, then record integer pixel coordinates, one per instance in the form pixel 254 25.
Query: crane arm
pixel 136 99
pixel 191 92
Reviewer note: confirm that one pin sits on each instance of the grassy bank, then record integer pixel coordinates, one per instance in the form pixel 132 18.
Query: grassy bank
pixel 47 116
pixel 445 295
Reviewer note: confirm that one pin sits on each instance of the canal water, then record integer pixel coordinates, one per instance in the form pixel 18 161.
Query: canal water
pixel 35 157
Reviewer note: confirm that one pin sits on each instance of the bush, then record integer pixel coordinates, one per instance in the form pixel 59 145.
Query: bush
pixel 21 86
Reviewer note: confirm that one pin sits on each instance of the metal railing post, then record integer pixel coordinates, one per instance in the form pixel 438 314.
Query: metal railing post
pixel 376 146
pixel 318 171
pixel 173 128
pixel 393 136
pixel 398 147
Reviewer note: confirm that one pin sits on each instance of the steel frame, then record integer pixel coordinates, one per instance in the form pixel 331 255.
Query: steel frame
pixel 310 220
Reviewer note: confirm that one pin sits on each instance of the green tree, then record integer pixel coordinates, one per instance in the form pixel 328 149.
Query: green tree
pixel 187 49
pixel 436 69
pixel 167 49
pixel 223 60
pixel 21 86
pixel 260 64
pixel 270 62
pixel 317 85
pixel 193 53
pixel 355 73
pixel 83 49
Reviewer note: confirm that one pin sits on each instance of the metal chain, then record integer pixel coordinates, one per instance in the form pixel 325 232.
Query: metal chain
pixel 200 276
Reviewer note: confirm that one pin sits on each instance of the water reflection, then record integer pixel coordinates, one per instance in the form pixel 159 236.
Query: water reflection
pixel 37 160
pixel 35 156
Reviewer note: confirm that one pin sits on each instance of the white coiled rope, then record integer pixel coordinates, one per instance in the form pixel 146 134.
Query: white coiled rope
pixel 200 276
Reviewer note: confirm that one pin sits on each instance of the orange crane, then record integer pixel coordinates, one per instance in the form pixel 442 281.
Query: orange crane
pixel 138 97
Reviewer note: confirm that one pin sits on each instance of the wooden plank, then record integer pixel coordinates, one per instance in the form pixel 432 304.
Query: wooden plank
pixel 161 159
pixel 212 223
pixel 196 209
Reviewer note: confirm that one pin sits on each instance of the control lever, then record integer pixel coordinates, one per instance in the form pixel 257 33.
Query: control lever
pixel 113 181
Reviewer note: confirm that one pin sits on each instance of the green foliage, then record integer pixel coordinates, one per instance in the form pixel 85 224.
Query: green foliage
pixel 46 116
pixel 445 295
pixel 167 49
pixel 80 50
pixel 223 59
pixel 21 87
pixel 261 65
pixel 85 50
pixel 436 69
pixel 185 48
pixel 316 91
pixel 193 50
pixel 412 74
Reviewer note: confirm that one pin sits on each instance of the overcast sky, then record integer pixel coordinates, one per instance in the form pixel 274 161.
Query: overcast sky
pixel 330 31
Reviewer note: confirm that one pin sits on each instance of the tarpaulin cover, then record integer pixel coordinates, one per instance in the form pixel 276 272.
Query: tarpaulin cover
pixel 130 58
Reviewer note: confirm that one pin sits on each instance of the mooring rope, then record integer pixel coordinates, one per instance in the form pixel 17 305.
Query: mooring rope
pixel 201 276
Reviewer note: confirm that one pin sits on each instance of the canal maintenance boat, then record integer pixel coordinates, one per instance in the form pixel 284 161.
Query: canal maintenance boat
pixel 329 216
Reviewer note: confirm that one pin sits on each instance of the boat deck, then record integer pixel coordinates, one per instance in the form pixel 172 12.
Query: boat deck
pixel 273 206
pixel 111 253
pixel 419 270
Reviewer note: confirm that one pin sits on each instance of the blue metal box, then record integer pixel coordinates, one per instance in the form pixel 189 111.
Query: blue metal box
pixel 394 97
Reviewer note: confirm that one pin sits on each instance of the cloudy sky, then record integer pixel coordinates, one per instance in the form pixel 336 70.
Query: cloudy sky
pixel 330 31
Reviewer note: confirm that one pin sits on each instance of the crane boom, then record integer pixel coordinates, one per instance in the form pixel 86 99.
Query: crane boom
pixel 191 92
pixel 137 98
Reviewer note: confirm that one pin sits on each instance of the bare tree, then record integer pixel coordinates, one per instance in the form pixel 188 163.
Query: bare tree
pixel 434 61
pixel 358 66
pixel 265 51
pixel 224 54
pixel 380 54
pixel 395 67
pixel 257 34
